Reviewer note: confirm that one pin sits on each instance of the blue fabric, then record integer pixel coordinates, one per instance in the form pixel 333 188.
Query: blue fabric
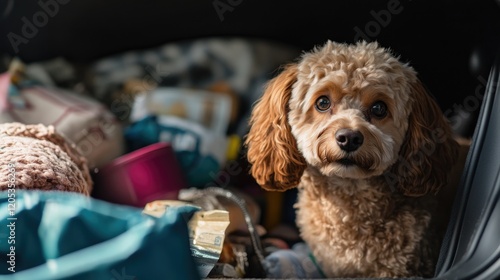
pixel 60 235
pixel 199 168
pixel 294 263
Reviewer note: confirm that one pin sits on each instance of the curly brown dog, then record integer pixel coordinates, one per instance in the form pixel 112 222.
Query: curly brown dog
pixel 354 129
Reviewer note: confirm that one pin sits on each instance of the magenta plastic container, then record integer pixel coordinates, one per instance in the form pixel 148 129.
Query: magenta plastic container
pixel 144 175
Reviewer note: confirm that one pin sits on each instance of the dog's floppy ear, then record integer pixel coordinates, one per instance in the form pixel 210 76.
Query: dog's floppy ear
pixel 428 152
pixel 276 163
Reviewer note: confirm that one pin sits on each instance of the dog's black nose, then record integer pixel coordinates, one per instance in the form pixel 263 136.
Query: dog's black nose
pixel 349 140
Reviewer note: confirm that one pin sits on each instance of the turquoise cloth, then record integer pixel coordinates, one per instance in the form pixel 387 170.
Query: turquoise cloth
pixel 200 168
pixel 60 235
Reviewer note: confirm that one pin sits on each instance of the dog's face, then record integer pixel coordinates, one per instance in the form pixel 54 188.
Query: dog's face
pixel 350 111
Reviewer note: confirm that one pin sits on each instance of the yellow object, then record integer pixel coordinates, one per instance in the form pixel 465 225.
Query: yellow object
pixel 233 147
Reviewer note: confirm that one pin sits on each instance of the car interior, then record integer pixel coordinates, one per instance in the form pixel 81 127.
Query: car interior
pixel 93 47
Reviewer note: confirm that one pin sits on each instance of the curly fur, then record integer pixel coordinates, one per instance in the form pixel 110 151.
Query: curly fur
pixel 279 165
pixel 373 216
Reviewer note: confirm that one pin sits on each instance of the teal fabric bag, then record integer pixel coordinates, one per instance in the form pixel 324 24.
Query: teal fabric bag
pixel 60 235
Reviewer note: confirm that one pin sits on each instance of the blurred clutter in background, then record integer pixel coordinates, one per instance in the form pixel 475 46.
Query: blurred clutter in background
pixel 165 125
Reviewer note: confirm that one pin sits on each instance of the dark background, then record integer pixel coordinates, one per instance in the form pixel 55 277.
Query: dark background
pixel 450 43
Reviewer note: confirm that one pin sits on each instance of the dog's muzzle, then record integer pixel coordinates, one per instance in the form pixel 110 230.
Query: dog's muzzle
pixel 349 140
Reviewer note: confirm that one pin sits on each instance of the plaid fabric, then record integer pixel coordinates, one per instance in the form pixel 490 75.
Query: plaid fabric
pixel 86 123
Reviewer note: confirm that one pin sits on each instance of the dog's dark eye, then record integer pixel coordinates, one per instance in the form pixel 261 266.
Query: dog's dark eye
pixel 323 103
pixel 378 110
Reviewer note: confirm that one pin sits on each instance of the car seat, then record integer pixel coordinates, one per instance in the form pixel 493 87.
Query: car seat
pixel 471 247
